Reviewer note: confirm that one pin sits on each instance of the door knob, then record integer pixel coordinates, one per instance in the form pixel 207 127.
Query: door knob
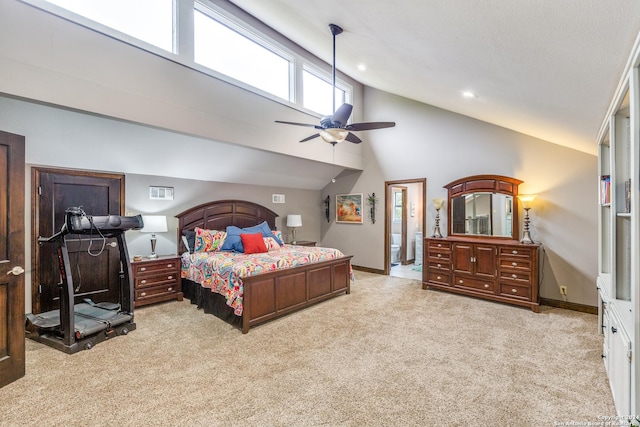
pixel 16 271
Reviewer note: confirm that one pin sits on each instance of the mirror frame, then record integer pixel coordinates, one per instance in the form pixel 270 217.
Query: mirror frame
pixel 485 184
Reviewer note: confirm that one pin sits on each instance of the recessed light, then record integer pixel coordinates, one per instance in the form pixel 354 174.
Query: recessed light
pixel 362 67
pixel 469 94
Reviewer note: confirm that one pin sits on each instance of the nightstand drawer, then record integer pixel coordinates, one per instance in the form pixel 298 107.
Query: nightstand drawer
pixel 155 267
pixel 160 291
pixel 162 279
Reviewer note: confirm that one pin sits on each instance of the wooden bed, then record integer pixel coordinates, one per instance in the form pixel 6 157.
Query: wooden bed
pixel 270 295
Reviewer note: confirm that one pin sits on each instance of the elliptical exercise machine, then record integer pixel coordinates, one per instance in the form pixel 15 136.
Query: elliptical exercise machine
pixel 76 327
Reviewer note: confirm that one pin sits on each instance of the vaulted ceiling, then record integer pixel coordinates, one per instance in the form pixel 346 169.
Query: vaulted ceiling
pixel 545 68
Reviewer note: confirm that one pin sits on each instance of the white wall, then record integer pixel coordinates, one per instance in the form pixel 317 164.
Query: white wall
pixel 443 146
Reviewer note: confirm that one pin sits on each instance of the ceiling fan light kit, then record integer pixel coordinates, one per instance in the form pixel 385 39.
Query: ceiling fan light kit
pixel 334 129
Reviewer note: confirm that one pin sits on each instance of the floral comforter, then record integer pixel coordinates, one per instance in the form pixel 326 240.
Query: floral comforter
pixel 222 272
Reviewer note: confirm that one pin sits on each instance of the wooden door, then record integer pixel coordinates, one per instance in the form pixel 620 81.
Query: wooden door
pixel 94 277
pixel 11 257
pixel 485 261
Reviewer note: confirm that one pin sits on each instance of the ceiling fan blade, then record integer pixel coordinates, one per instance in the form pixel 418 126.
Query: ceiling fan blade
pixel 342 114
pixel 369 126
pixel 299 124
pixel 352 138
pixel 310 137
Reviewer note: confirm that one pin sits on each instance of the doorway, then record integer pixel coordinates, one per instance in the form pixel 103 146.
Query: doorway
pixel 405 203
pixel 54 190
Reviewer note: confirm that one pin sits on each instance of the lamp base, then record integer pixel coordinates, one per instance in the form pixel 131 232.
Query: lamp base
pixel 153 247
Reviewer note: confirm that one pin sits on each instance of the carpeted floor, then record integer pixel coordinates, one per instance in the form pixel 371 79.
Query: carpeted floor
pixel 389 354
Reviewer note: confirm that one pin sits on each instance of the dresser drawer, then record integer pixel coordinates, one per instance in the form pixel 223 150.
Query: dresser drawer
pixel 514 290
pixel 439 277
pixel 524 277
pixel 439 244
pixel 444 266
pixel 439 256
pixel 515 252
pixel 473 283
pixel 511 263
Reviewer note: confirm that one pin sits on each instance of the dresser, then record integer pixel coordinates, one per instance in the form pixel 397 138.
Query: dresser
pixel 156 280
pixel 498 270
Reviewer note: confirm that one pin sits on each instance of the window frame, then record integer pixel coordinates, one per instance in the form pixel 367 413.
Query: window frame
pixel 183 48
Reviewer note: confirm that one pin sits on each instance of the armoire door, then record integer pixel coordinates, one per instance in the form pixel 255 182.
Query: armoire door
pixel 94 276
pixel 12 257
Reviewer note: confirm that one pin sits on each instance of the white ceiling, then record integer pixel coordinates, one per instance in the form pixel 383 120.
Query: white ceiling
pixel 545 68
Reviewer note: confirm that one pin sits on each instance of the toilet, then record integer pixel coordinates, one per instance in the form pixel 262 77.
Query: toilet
pixel 396 240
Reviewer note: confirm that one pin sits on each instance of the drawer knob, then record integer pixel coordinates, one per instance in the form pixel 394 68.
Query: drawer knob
pixel 143 269
pixel 515 276
pixel 514 252
pixel 439 255
pixel 515 264
pixel 439 278
pixel 170 289
pixel 144 294
pixel 515 291
pixel 143 282
pixel 170 277
pixel 439 245
pixel 439 265
pixel 486 285
pixel 460 281
pixel 169 265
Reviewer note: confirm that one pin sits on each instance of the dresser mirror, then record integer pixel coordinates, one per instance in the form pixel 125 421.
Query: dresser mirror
pixel 483 206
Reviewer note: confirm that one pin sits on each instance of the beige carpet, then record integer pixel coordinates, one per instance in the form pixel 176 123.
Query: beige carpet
pixel 389 354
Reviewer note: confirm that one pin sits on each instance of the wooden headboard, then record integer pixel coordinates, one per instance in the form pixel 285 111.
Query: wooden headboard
pixel 219 214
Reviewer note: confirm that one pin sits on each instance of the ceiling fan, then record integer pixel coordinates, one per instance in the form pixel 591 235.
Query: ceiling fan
pixel 334 128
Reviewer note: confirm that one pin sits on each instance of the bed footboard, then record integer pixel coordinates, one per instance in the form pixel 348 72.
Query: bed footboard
pixel 271 295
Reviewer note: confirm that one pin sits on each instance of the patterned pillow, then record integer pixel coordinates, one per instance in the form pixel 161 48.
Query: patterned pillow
pixel 279 236
pixel 271 243
pixel 208 240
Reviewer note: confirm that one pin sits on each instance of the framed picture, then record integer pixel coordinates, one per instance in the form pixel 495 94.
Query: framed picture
pixel 349 208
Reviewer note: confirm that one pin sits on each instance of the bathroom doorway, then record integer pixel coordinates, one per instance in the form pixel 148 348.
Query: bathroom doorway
pixel 405 202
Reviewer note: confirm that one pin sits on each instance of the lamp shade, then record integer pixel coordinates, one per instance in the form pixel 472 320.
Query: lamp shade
pixel 294 220
pixel 437 203
pixel 154 224
pixel 526 200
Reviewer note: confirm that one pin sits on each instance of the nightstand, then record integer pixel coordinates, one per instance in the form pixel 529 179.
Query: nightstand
pixel 156 280
pixel 304 243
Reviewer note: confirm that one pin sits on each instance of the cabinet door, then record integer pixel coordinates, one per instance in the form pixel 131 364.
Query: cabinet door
pixel 619 367
pixel 485 261
pixel 462 256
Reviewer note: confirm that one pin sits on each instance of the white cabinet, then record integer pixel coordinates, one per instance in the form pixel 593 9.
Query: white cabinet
pixel 419 245
pixel 618 279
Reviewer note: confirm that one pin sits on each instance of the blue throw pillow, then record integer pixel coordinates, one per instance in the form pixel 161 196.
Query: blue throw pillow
pixel 264 229
pixel 233 241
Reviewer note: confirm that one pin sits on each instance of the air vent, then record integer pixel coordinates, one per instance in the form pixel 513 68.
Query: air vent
pixel 277 198
pixel 161 193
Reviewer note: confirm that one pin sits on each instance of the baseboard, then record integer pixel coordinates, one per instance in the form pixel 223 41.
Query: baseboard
pixel 569 306
pixel 367 269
